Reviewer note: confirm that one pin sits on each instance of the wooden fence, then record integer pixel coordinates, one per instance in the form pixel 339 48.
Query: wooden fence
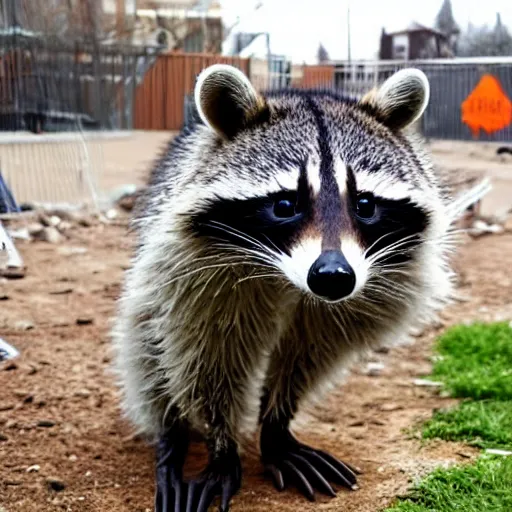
pixel 160 99
pixel 317 76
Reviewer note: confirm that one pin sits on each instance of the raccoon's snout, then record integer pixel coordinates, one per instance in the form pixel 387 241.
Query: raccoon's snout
pixel 331 277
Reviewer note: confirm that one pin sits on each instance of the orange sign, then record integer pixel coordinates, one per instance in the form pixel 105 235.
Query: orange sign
pixel 487 107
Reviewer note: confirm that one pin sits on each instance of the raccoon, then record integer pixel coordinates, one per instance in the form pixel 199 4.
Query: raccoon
pixel 279 238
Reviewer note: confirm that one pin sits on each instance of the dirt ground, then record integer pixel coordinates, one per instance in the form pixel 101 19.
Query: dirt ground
pixel 60 426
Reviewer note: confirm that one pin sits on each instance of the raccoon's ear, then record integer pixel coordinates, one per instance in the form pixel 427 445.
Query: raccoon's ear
pixel 401 99
pixel 226 100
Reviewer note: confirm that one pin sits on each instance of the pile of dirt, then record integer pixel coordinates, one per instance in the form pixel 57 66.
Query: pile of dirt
pixel 64 445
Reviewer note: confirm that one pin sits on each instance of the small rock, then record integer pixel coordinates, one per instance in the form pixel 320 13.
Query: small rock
pixel 6 407
pixel 20 234
pixel 54 221
pixel 83 393
pixel 464 455
pixel 51 235
pixel 65 226
pixel 55 484
pixel 359 423
pixel 416 332
pixel 61 323
pixel 71 251
pixel 35 229
pixel 111 214
pixel 24 325
pixel 44 219
pixel 11 366
pixel 88 473
pixel 427 383
pixel 46 423
pixel 34 469
pixel 391 407
pixel 84 321
pixel 374 369
pixel 85 222
pixel 69 215
pixel 63 291
pixel 73 458
pixel 4 297
pixel 127 202
pixel 13 272
pixel 3 437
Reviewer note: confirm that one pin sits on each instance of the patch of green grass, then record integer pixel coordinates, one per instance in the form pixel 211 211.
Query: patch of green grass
pixel 476 361
pixel 484 486
pixel 486 424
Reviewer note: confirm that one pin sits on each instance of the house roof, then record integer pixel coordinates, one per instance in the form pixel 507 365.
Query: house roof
pixel 414 26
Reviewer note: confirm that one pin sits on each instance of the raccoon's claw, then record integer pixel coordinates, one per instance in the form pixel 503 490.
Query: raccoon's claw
pixel 170 489
pixel 290 462
pixel 221 478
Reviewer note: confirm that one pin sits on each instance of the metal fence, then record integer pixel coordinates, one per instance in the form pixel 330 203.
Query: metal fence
pixel 451 82
pixel 64 87
pixel 68 96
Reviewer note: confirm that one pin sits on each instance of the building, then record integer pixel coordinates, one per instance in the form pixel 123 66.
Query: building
pixel 178 25
pixel 414 42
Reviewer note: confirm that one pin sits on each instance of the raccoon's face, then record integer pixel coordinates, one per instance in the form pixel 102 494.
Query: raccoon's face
pixel 324 191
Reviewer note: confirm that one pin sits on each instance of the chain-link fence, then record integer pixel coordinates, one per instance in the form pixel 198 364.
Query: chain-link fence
pixel 451 82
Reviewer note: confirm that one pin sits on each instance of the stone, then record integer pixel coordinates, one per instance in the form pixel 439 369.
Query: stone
pixel 46 423
pixel 127 202
pixel 111 214
pixel 55 484
pixel 71 251
pixel 391 407
pixel 84 321
pixel 62 291
pixel 65 226
pixel 374 369
pixel 24 325
pixel 35 229
pixel 13 272
pixel 51 235
pixel 34 469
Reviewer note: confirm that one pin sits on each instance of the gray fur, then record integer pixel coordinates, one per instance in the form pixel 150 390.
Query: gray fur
pixel 203 327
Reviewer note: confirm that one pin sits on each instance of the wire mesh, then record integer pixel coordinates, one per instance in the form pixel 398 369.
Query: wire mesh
pixel 58 91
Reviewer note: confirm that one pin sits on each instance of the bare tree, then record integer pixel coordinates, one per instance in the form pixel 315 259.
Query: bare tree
pixel 485 41
pixel 322 55
pixel 445 23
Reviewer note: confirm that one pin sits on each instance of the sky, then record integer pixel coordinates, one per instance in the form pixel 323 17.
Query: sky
pixel 297 27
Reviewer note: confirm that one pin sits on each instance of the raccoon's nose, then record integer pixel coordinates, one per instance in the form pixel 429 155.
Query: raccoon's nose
pixel 331 277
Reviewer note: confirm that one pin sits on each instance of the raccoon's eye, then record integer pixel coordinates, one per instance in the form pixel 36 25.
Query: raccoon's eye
pixel 366 206
pixel 284 208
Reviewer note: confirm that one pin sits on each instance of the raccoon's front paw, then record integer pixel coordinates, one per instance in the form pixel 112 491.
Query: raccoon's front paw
pixel 222 477
pixel 288 461
pixel 170 457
